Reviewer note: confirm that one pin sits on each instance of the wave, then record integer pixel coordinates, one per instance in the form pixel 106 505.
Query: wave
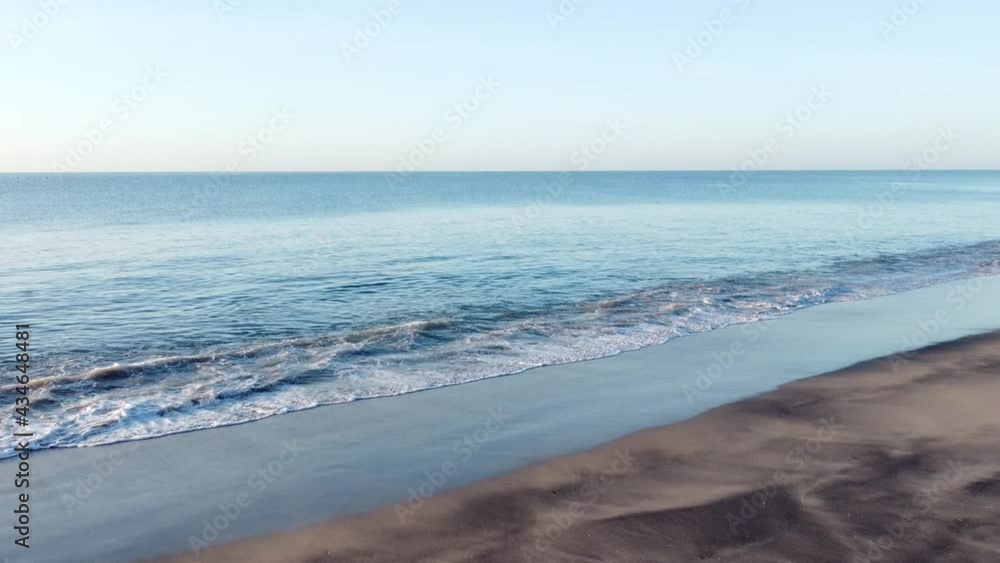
pixel 224 385
pixel 116 370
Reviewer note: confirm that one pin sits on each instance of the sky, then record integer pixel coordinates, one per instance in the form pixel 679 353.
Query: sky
pixel 310 85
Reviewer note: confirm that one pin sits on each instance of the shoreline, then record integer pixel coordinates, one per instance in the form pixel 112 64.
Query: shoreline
pixel 865 463
pixel 115 370
pixel 765 321
pixel 163 489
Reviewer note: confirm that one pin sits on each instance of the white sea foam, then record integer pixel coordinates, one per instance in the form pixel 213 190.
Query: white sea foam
pixel 226 385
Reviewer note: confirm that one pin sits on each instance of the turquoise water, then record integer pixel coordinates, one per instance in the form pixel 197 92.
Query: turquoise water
pixel 162 303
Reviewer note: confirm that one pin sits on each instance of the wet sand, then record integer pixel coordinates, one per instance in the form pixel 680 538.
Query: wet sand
pixel 895 459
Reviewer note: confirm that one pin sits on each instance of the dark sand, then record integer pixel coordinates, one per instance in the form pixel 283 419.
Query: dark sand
pixel 893 460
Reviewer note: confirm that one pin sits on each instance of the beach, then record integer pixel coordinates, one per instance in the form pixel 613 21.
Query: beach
pixel 142 499
pixel 894 459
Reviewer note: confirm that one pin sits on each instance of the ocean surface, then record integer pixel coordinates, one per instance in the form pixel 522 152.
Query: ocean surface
pixel 163 303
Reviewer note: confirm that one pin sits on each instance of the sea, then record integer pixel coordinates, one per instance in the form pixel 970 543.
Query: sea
pixel 161 303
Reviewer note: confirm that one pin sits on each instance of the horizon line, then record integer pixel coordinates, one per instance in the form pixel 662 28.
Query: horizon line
pixel 491 171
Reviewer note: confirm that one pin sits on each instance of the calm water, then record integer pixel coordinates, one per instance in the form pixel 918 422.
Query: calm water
pixel 163 303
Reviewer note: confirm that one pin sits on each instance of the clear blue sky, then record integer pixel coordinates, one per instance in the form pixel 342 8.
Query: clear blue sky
pixel 609 59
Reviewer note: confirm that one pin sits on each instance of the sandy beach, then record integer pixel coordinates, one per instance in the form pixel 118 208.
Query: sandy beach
pixel 895 459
